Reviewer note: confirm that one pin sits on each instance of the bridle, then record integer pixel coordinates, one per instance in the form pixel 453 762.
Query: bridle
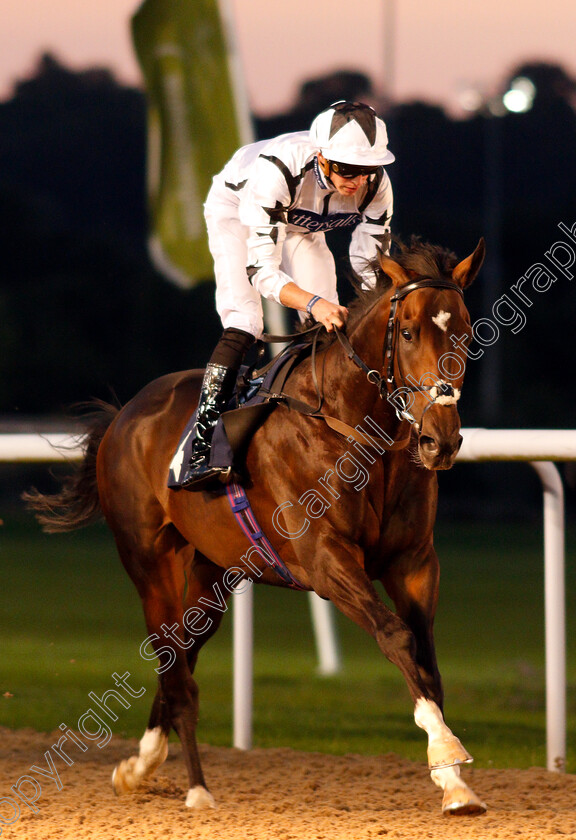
pixel 439 392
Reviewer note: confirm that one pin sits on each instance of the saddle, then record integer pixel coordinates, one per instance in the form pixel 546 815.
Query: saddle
pixel 257 393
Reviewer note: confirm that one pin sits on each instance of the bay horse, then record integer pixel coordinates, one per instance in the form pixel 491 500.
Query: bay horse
pixel 370 517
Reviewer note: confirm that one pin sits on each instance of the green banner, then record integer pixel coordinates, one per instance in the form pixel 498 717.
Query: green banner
pixel 192 127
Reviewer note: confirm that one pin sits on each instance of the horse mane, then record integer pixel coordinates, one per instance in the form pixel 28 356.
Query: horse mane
pixel 417 258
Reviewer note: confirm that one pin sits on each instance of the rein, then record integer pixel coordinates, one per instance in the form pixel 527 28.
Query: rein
pixel 344 429
pixel 440 392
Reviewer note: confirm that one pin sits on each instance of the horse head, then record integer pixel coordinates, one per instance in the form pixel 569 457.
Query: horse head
pixel 425 361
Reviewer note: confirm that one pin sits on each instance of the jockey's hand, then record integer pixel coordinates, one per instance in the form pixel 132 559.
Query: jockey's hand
pixel 330 314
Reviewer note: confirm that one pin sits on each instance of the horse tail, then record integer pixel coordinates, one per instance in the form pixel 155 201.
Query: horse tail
pixel 78 503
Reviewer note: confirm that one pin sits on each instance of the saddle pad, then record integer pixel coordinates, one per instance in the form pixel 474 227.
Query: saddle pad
pixel 235 427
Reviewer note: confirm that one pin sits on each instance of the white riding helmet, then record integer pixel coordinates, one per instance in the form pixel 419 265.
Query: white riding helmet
pixel 350 132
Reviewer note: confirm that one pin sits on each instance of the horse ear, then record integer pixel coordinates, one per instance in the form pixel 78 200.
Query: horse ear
pixel 465 272
pixel 393 270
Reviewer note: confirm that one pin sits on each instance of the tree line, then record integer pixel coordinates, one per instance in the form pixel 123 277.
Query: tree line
pixel 85 314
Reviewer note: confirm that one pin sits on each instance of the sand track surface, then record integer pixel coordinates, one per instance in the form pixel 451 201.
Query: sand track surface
pixel 277 794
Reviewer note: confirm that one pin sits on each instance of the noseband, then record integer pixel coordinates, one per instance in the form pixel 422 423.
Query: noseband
pixel 387 383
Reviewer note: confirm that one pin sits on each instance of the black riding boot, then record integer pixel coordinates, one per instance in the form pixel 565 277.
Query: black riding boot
pixel 217 389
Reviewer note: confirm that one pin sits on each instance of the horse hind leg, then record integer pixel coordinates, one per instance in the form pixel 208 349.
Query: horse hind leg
pixel 131 772
pixel 153 751
pixel 175 707
pixel 205 582
pixel 176 702
pixel 161 593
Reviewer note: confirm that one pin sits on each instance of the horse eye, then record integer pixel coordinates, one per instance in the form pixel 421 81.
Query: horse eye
pixel 407 335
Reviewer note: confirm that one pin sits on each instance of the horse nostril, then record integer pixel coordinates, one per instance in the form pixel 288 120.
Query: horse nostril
pixel 428 444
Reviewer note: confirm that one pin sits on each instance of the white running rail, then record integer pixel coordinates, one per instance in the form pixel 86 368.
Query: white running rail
pixel 539 447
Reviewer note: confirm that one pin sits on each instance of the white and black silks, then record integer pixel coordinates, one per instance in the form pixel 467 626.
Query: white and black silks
pixel 267 213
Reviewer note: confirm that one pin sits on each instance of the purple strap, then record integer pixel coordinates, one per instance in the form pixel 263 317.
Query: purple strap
pixel 247 521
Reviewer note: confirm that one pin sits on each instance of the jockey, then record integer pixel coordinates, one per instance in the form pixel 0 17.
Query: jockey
pixel 266 214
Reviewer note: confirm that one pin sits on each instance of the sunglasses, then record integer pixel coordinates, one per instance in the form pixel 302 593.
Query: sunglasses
pixel 349 170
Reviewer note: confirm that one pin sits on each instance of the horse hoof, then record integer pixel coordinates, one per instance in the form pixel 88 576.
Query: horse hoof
pixel 447 754
pixel 123 780
pixel 462 803
pixel 200 798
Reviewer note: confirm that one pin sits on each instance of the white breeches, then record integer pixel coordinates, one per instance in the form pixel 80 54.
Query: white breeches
pixel 305 258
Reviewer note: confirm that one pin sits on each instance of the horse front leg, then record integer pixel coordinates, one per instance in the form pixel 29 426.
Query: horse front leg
pixel 459 800
pixel 342 579
pixel 412 583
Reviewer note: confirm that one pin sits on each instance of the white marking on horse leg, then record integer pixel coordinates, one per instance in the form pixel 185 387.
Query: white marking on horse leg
pixel 441 320
pixel 200 798
pixel 153 751
pixel 459 799
pixel 444 748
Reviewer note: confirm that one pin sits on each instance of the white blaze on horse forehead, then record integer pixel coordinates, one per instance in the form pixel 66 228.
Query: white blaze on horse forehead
pixel 441 320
